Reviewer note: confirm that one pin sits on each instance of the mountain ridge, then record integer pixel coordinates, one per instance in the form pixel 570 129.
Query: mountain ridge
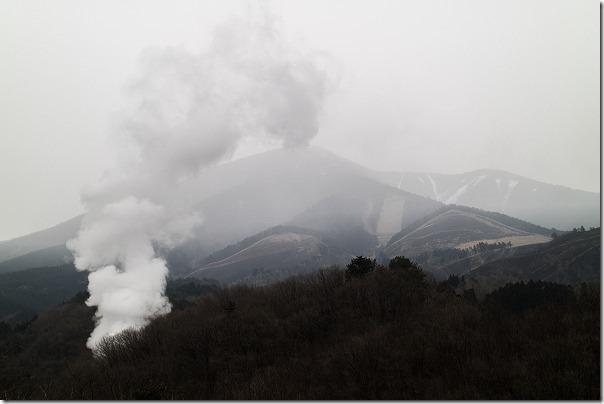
pixel 548 205
pixel 309 188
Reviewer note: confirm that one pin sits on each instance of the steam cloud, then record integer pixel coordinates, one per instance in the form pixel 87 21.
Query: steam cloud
pixel 190 111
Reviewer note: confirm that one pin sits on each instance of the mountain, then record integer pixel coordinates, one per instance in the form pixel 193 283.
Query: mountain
pixel 50 237
pixel 380 210
pixel 572 259
pixel 455 226
pixel 268 256
pixel 335 230
pixel 275 187
pixel 313 189
pixel 454 239
pixel 448 241
pixel 307 188
pixel 50 256
pixel 551 206
pixel 247 196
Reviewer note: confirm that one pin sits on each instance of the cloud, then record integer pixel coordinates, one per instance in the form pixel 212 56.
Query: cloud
pixel 188 111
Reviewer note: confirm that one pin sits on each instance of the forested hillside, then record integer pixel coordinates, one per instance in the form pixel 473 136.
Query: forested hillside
pixel 367 332
pixel 25 293
pixel 571 259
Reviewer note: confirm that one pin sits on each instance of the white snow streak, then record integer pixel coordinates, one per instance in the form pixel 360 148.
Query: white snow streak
pixel 511 185
pixel 436 196
pixel 400 181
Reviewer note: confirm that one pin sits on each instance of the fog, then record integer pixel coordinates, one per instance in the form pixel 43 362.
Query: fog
pixel 430 86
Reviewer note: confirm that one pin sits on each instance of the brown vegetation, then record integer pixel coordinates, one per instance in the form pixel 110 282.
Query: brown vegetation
pixel 388 334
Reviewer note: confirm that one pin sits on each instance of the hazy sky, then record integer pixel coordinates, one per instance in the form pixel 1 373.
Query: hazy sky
pixel 439 86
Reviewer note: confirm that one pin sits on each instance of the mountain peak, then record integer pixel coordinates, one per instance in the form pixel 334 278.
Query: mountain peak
pixel 551 206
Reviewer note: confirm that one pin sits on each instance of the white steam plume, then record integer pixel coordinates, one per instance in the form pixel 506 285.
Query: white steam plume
pixel 190 111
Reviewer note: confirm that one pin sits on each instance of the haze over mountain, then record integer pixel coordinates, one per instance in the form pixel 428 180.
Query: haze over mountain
pixel 308 188
pixel 441 240
pixel 148 118
pixel 50 237
pixel 315 189
pixel 551 206
pixel 459 227
pixel 282 213
pixel 418 89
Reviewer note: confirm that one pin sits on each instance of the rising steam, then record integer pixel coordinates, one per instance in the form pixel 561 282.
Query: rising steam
pixel 190 111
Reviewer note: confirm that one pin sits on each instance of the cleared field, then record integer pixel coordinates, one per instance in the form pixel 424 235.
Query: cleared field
pixel 516 241
pixel 271 252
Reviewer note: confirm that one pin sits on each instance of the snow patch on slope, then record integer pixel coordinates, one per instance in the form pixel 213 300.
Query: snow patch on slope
pixel 460 191
pixel 453 198
pixel 400 181
pixel 391 216
pixel 478 180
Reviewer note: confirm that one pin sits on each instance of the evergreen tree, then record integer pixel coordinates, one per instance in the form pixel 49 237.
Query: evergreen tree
pixel 360 266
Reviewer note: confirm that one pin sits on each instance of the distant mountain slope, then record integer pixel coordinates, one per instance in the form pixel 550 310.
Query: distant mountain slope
pixel 277 187
pixel 56 255
pixel 337 229
pixel 461 227
pixel 244 197
pixel 309 188
pixel 572 258
pixel 250 241
pixel 380 210
pixel 284 249
pixel 474 260
pixel 314 189
pixel 551 206
pixel 496 216
pixel 53 236
pixel 346 214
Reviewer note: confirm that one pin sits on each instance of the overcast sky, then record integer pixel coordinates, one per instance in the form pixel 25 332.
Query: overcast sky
pixel 438 86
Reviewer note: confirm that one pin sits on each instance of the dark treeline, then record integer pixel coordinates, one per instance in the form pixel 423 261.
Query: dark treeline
pixel 369 332
pixel 483 247
pixel 27 292
pixel 442 255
